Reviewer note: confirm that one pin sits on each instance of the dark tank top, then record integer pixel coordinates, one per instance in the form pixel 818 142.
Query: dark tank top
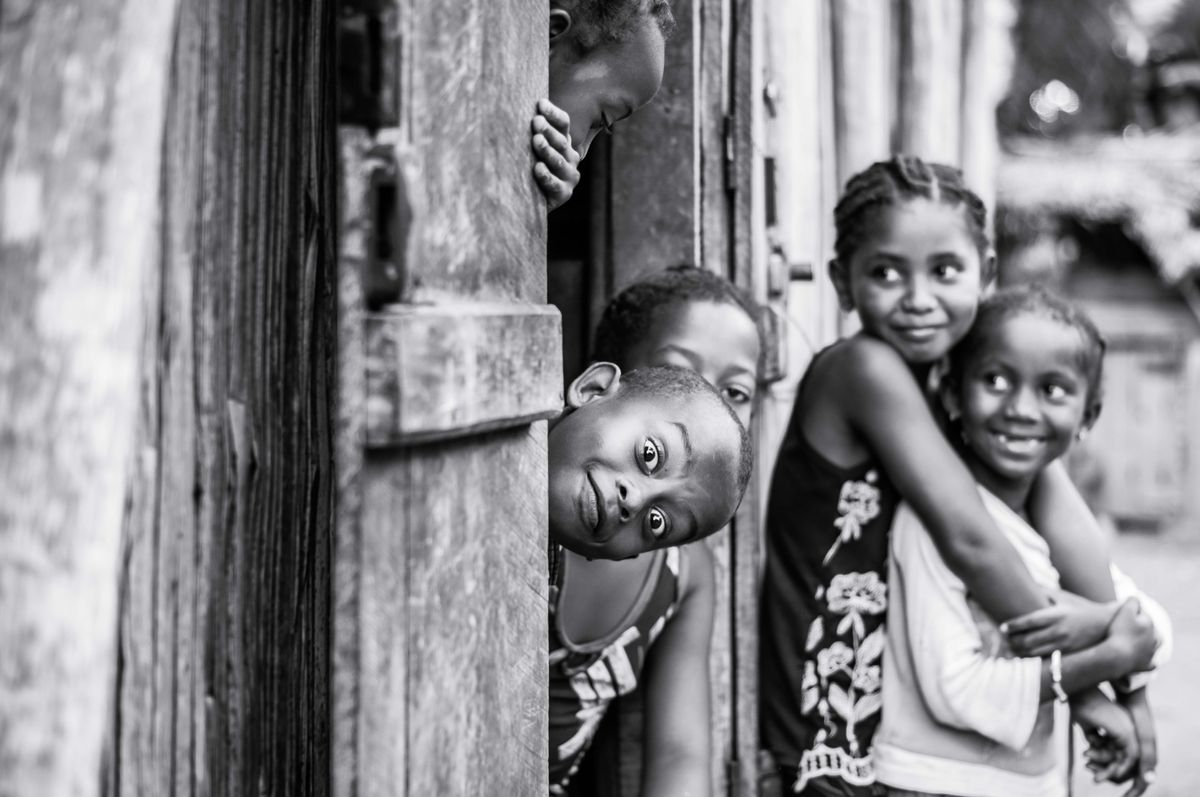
pixel 586 678
pixel 824 603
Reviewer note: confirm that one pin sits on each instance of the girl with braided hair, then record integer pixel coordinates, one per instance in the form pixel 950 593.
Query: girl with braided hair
pixel 913 259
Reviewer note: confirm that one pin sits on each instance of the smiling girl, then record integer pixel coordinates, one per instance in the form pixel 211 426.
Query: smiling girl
pixel 961 715
pixel 912 258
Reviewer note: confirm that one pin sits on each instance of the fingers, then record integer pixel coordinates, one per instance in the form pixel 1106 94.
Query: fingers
pixel 1037 643
pixel 555 116
pixel 563 163
pixel 556 191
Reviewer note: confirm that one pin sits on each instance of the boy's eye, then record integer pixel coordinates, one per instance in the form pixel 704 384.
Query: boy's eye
pixel 737 394
pixel 656 521
pixel 650 456
pixel 605 124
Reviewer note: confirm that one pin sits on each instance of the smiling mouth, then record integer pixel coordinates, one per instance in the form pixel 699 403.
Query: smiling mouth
pixel 1018 444
pixel 919 334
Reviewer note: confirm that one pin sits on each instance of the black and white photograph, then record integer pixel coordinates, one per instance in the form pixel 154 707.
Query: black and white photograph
pixel 599 398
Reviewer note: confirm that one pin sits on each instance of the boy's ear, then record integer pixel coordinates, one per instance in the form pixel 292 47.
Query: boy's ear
pixel 841 283
pixel 560 23
pixel 598 380
pixel 989 268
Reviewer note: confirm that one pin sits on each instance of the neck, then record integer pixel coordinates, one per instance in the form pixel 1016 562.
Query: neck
pixel 1013 492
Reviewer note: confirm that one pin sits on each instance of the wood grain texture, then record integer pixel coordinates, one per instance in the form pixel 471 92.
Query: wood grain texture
pixel 82 99
pixel 863 85
pixel 474 72
pixel 987 61
pixel 440 593
pixel 448 370
pixel 453 605
pixel 223 668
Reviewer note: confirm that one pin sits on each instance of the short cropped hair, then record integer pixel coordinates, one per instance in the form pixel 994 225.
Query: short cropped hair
pixel 610 21
pixel 1033 300
pixel 668 381
pixel 628 317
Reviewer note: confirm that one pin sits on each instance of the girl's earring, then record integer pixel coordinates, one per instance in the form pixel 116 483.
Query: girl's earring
pixel 1081 435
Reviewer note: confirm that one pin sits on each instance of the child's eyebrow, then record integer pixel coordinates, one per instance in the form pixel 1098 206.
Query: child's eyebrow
pixel 687 446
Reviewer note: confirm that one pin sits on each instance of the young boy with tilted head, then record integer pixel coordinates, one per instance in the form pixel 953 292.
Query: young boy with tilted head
pixel 646 622
pixel 606 61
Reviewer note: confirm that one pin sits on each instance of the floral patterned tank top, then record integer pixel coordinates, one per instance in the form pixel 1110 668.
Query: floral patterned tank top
pixel 824 604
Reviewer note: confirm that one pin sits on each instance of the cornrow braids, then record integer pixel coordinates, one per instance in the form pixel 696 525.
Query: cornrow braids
pixel 609 21
pixel 628 317
pixel 886 183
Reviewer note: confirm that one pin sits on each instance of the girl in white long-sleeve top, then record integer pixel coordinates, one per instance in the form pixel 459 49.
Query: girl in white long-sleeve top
pixel 961 714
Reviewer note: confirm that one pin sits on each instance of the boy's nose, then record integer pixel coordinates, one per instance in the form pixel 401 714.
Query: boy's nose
pixel 630 499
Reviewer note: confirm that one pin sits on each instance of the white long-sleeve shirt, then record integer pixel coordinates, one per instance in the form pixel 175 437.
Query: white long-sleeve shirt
pixel 960 714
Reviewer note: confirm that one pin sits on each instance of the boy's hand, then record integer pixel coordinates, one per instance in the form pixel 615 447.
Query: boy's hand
pixel 557 167
pixel 1113 750
pixel 1072 623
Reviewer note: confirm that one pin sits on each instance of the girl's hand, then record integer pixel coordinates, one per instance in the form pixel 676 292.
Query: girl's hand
pixel 1132 637
pixel 1113 750
pixel 557 167
pixel 1071 624
pixel 1138 706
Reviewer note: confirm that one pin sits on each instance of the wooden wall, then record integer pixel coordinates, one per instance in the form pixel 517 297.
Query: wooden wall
pixel 440 640
pixel 223 658
pixel 82 90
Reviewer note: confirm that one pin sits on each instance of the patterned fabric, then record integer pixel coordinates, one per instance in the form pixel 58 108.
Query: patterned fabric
pixel 586 678
pixel 823 609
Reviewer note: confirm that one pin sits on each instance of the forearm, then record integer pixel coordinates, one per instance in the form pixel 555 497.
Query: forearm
pixel 1085 669
pixel 1077 544
pixel 994 573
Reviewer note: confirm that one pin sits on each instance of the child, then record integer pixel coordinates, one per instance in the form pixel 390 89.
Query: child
pixel 959 716
pixel 606 61
pixel 647 622
pixel 912 257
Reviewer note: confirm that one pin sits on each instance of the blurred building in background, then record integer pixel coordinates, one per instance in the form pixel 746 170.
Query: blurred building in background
pixel 1099 197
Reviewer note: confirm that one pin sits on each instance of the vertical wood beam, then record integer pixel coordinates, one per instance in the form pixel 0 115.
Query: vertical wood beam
pixel 987 62
pixel 82 84
pixel 863 84
pixel 931 69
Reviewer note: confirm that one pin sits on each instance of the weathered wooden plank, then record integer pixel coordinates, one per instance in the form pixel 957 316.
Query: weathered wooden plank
pixel 82 85
pixel 987 66
pixel 863 88
pixel 931 70
pixel 459 124
pixel 453 592
pixel 439 371
pixel 225 601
